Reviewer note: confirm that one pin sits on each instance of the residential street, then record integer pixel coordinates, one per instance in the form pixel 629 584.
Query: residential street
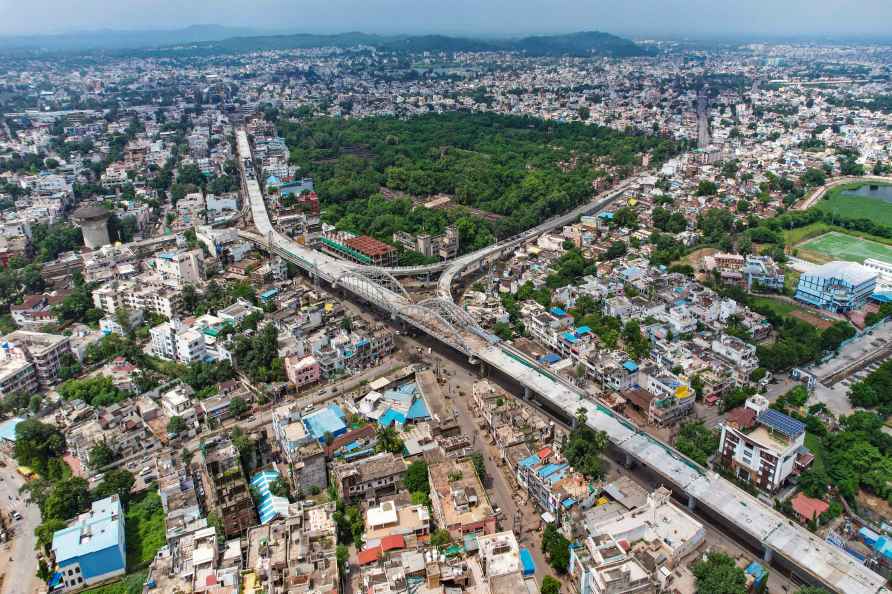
pixel 19 561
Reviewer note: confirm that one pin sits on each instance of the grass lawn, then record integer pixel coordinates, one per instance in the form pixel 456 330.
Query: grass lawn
pixel 840 246
pixel 840 201
pixel 791 280
pixel 781 308
pixel 129 584
pixel 144 526
pixel 814 445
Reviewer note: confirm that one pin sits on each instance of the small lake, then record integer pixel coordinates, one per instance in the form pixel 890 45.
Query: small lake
pixel 884 193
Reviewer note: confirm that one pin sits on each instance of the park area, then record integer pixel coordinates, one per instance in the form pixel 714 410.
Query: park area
pixel 841 246
pixel 859 201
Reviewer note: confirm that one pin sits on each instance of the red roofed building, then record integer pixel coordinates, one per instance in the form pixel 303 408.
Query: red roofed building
pixel 368 556
pixel 808 508
pixel 393 542
pixel 379 252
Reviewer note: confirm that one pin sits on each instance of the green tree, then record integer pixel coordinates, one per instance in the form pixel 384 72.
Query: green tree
pixel 479 465
pixel 45 531
pixel 550 585
pixel 416 479
pixel 176 425
pixel 388 440
pixel 440 538
pixel 36 444
pixel 102 454
pixel 116 482
pixel 238 407
pixel 556 548
pixel 718 574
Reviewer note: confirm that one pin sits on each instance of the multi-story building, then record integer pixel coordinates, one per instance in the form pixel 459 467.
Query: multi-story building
pixel 302 371
pixel 837 286
pixel 663 397
pixel 178 269
pixel 458 499
pixel 444 246
pixel 44 350
pixel 370 478
pixel 225 489
pixel 764 272
pixel 177 342
pixel 17 374
pixel 91 550
pixel 141 293
pixel 883 270
pixel 763 446
pixel 740 354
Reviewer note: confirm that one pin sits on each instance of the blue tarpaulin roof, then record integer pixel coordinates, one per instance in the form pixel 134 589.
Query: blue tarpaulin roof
pixel 418 410
pixel 558 311
pixel 583 330
pixel 570 337
pixel 390 417
pixel 7 428
pixel 549 359
pixel 529 461
pixel 327 420
pixel 630 366
pixel 269 506
pixel 526 559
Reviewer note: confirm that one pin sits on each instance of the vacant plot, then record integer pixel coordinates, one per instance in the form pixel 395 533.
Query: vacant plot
pixel 858 201
pixel 839 246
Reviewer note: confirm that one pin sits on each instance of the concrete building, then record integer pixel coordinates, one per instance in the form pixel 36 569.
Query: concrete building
pixel 837 286
pixel 44 350
pixel 458 499
pixel 443 246
pixel 369 478
pixel 362 250
pixel 93 221
pixel 17 374
pixel 225 489
pixel 302 371
pixel 762 445
pixel 178 269
pixel 177 342
pixel 884 273
pixel 92 549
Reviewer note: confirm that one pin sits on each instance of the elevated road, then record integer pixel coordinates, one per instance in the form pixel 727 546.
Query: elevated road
pixel 783 542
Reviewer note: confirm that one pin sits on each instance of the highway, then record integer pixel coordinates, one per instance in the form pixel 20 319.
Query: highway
pixel 781 540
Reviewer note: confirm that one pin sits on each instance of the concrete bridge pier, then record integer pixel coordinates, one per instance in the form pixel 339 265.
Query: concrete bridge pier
pixel 526 393
pixel 692 503
pixel 767 555
pixel 628 461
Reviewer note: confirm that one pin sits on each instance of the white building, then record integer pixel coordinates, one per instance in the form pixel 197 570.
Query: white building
pixel 762 445
pixel 884 273
pixel 177 269
pixel 177 342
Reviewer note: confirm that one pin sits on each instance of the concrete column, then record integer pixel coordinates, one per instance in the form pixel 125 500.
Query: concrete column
pixel 628 461
pixel 526 392
pixel 767 555
pixel 692 503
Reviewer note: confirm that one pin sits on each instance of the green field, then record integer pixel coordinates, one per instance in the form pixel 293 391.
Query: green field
pixel 839 201
pixel 839 246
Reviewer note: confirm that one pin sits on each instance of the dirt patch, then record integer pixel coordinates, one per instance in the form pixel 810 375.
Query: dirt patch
pixel 811 319
pixel 879 508
pixel 695 258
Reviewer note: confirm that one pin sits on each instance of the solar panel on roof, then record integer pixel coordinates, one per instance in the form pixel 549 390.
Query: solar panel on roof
pixel 782 423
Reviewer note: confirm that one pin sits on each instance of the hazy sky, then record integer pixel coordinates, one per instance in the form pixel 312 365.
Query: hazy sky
pixel 630 17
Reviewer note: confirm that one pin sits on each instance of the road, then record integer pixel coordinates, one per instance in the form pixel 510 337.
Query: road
pixel 500 488
pixel 18 574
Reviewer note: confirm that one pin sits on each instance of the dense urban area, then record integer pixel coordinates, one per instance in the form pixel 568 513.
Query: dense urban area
pixel 350 314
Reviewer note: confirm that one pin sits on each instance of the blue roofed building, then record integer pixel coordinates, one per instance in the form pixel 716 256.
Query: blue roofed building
pixel 269 506
pixel 837 286
pixel 326 420
pixel 92 549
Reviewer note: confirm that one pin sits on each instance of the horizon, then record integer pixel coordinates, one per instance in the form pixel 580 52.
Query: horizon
pixel 696 19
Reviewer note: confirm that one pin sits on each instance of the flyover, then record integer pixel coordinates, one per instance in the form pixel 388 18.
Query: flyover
pixel 781 540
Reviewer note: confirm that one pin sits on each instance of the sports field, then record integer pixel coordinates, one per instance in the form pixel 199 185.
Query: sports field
pixel 839 246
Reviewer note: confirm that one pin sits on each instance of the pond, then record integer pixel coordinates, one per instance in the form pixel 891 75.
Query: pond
pixel 884 193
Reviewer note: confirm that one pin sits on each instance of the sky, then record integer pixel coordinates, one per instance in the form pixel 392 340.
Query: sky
pixel 694 18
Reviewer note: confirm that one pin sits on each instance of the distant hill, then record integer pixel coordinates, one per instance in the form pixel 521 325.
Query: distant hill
pixel 117 39
pixel 576 44
pixel 216 39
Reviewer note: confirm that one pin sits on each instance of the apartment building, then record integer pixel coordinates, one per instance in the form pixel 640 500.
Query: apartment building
pixel 763 446
pixel 458 499
pixel 225 489
pixel 443 246
pixel 176 342
pixel 140 293
pixel 370 478
pixel 44 350
pixel 178 269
